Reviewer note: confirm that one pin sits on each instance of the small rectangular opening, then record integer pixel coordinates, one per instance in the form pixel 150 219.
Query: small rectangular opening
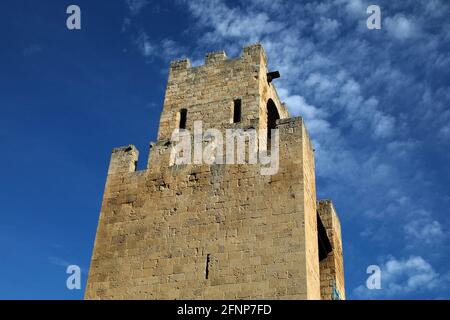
pixel 183 115
pixel 207 267
pixel 237 111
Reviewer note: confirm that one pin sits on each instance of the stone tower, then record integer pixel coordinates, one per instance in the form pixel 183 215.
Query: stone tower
pixel 218 231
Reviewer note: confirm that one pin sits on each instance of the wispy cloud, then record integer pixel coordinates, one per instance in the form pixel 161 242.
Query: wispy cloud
pixel 136 6
pixel 165 49
pixel 61 262
pixel 424 231
pixel 143 44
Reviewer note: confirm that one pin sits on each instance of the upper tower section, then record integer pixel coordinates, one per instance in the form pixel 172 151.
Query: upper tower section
pixel 222 93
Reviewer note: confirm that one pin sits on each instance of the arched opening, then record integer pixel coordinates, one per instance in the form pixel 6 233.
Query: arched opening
pixel 272 117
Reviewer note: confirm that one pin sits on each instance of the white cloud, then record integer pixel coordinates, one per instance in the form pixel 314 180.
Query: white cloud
pixel 384 125
pixel 298 106
pixel 327 28
pixel 321 83
pixel 403 277
pixel 314 117
pixel 232 23
pixel 354 7
pixel 401 27
pixel 424 231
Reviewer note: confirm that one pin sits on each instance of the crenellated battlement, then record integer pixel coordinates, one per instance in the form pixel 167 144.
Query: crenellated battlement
pixel 210 91
pixel 215 57
pixel 123 160
pixel 254 52
pixel 181 64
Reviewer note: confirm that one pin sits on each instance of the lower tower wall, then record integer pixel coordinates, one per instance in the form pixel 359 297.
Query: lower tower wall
pixel 209 231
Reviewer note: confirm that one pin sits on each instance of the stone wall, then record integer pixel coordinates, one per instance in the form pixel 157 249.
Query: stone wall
pixel 332 267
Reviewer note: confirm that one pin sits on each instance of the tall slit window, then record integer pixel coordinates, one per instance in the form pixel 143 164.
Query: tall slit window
pixel 183 115
pixel 272 117
pixel 237 111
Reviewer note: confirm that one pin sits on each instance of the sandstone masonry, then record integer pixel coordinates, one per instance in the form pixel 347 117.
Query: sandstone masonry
pixel 217 231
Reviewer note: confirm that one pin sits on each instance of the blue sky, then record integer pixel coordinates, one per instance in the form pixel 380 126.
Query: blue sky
pixel 376 103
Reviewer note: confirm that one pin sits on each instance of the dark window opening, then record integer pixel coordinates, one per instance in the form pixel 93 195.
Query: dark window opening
pixel 207 267
pixel 324 242
pixel 237 111
pixel 272 117
pixel 183 115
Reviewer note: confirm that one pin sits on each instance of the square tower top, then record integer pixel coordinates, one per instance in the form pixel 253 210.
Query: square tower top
pixel 221 93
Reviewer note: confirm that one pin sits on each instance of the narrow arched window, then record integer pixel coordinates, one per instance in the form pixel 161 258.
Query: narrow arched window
pixel 237 111
pixel 183 118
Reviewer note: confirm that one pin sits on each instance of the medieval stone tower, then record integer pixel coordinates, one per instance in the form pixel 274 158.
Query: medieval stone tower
pixel 218 231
